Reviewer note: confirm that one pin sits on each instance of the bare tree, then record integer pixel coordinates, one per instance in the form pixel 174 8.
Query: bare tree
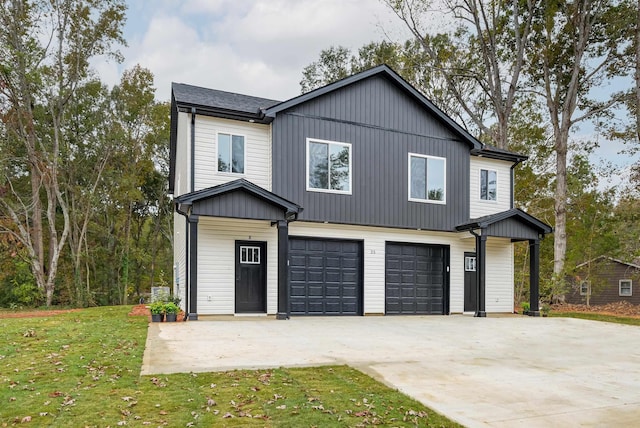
pixel 45 48
pixel 486 52
pixel 577 46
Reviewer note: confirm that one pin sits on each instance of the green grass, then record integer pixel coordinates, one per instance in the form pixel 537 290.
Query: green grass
pixel 597 317
pixel 83 369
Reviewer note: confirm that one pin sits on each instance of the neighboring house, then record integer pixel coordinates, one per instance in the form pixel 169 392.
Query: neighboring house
pixel 358 198
pixel 604 280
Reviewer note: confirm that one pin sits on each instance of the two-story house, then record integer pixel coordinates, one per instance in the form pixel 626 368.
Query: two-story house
pixel 358 198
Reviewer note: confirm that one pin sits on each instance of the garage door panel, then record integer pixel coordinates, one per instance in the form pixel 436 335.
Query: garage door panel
pixel 414 278
pixel 333 281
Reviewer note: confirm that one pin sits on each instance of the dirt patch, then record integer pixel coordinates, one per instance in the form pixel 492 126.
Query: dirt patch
pixel 143 310
pixel 35 314
pixel 623 309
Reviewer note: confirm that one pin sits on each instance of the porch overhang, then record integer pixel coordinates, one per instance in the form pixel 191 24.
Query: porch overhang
pixel 514 224
pixel 517 225
pixel 238 199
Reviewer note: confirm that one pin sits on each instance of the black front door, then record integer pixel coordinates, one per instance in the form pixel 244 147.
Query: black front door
pixel 251 276
pixel 470 285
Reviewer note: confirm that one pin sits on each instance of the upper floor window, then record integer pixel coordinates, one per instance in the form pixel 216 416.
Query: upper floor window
pixel 231 153
pixel 625 287
pixel 488 185
pixel 328 166
pixel 427 178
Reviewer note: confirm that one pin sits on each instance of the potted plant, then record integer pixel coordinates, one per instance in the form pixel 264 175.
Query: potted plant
pixel 525 308
pixel 157 311
pixel 545 309
pixel 171 310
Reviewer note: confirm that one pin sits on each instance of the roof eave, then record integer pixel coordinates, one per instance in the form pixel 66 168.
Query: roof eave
pixel 254 117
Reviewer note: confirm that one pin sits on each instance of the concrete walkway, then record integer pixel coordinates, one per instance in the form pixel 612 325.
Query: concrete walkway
pixel 492 372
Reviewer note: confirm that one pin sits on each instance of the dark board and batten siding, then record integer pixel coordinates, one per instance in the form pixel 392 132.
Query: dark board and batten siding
pixel 383 125
pixel 605 278
pixel 512 228
pixel 238 204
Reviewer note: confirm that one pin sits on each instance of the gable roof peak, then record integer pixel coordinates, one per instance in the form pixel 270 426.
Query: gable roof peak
pixel 387 72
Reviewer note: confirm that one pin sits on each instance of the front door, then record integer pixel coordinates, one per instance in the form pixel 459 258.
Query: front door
pixel 470 286
pixel 251 276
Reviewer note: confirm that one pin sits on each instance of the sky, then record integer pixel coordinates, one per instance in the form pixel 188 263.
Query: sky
pixel 260 47
pixel 254 47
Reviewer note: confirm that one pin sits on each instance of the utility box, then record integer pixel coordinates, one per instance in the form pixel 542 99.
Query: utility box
pixel 159 294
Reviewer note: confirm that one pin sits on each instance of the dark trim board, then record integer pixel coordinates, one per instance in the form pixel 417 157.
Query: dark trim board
pixel 414 283
pixel 326 278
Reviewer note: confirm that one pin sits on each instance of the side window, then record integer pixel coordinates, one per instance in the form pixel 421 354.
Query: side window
pixel 328 166
pixel 626 287
pixel 231 153
pixel 427 178
pixel 585 288
pixel 488 185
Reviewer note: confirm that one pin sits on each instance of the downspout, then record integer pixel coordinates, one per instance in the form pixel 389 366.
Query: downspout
pixel 187 288
pixel 193 148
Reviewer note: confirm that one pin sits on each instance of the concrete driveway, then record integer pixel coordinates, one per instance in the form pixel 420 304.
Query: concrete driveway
pixel 496 371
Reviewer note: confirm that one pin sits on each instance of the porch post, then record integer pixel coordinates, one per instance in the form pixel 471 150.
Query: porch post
pixel 534 277
pixel 193 267
pixel 283 270
pixel 481 251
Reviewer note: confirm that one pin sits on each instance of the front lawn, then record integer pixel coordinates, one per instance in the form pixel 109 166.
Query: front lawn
pixel 594 316
pixel 83 369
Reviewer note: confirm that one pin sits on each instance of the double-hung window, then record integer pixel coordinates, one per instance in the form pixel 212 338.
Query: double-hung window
pixel 328 166
pixel 488 185
pixel 231 153
pixel 427 178
pixel 625 287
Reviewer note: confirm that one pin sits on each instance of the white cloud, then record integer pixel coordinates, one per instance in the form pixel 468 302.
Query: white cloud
pixel 257 48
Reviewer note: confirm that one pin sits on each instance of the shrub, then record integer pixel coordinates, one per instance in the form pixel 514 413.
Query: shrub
pixel 157 308
pixel 171 308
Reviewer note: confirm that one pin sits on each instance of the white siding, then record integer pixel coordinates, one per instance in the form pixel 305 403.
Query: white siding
pixel 216 262
pixel 374 256
pixel 182 167
pixel 257 152
pixel 179 258
pixel 499 275
pixel 478 207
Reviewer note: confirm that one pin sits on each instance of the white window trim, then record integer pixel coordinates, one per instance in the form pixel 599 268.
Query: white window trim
pixel 249 260
pixel 339 143
pixel 231 173
pixel 487 201
pixel 426 201
pixel 468 265
pixel 588 293
pixel 630 288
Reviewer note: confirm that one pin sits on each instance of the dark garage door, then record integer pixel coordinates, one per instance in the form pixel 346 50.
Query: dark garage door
pixel 325 277
pixel 415 279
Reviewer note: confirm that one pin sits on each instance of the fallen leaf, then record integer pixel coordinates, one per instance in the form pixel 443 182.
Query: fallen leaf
pixel 25 419
pixel 211 402
pixel 127 398
pixel 228 415
pixel 281 407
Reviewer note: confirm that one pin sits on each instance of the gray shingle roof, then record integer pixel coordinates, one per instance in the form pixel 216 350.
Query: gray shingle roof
pixel 204 97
